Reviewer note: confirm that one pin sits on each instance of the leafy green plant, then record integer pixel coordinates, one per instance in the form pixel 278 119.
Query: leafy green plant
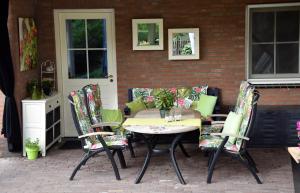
pixel 32 144
pixel 187 49
pixel 30 85
pixel 164 99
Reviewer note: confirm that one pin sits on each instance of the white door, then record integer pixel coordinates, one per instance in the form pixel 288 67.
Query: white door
pixel 85 44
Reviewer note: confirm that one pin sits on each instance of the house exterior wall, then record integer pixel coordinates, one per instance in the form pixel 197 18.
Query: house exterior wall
pixel 222 45
pixel 20 8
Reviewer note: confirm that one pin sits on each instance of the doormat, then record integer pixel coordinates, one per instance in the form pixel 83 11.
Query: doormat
pixel 71 144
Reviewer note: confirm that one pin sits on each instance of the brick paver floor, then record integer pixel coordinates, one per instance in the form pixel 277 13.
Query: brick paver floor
pixel 50 174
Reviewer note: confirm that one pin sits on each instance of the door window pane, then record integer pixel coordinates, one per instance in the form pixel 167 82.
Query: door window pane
pixel 97 63
pixel 262 59
pixel 77 64
pixel 96 33
pixel 287 58
pixel 287 26
pixel 76 33
pixel 262 27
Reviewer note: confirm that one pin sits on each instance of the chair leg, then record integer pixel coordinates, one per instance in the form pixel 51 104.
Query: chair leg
pixel 251 161
pixel 210 158
pixel 81 163
pixel 121 158
pixel 132 154
pixel 212 165
pixel 250 168
pixel 113 163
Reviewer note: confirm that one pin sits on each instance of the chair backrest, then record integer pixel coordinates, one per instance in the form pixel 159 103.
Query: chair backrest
pixel 93 101
pixel 80 116
pixel 244 86
pixel 249 114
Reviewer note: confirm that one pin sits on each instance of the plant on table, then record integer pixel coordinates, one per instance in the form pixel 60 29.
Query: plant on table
pixel 164 100
pixel 32 148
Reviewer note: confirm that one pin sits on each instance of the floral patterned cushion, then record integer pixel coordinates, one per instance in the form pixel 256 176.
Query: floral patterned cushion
pixel 246 113
pixel 241 97
pixel 93 98
pixel 197 91
pixel 85 123
pixel 146 94
pixel 213 142
pixel 82 114
pixel 113 140
pixel 207 129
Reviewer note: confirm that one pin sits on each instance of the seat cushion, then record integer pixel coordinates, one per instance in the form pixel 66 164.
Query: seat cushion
pixel 206 105
pixel 208 129
pixel 114 140
pixel 208 142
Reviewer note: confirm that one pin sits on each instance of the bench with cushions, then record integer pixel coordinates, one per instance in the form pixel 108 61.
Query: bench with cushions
pixel 143 98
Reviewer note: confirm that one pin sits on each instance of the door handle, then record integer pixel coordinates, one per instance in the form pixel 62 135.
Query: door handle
pixel 109 76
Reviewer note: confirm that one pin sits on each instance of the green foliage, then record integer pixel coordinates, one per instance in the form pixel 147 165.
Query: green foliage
pixel 164 100
pixel 187 50
pixel 30 85
pixel 32 144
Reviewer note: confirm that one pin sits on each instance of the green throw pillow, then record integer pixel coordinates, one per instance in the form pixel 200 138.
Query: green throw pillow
pixel 206 105
pixel 232 125
pixel 109 115
pixel 136 105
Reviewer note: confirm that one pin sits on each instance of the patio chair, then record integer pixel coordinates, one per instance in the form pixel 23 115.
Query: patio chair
pixel 94 142
pixel 234 145
pixel 97 114
pixel 217 120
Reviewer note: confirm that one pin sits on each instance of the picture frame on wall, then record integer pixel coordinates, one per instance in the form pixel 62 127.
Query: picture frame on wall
pixel 27 43
pixel 147 34
pixel 183 44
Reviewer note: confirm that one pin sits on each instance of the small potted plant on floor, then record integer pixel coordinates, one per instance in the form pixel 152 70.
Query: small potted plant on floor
pixel 32 148
pixel 164 101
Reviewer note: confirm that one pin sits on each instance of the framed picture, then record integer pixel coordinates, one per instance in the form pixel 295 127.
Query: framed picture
pixel 27 43
pixel 147 34
pixel 183 44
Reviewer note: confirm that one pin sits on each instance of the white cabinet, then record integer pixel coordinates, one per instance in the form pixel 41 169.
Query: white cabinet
pixel 42 120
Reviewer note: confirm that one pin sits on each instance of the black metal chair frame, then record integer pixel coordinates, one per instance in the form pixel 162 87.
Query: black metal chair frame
pixel 109 150
pixel 242 155
pixel 108 128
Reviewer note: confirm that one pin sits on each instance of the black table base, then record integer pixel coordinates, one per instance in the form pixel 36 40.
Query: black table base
pixel 151 143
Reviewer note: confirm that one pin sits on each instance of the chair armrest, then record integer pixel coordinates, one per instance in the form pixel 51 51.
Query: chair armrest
pixel 230 135
pixel 219 115
pixel 104 124
pixel 96 133
pixel 217 122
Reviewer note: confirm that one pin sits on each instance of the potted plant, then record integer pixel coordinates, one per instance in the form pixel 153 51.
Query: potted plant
pixel 47 87
pixel 164 100
pixel 32 148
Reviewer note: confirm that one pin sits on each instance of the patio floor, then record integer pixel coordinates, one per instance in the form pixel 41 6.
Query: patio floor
pixel 50 174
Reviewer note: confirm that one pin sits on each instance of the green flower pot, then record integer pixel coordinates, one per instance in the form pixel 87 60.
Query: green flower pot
pixel 32 153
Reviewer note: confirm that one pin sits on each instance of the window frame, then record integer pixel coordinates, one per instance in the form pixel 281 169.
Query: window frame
pixel 288 78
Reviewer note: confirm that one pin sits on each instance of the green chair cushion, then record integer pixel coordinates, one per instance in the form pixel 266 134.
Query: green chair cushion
pixel 232 125
pixel 206 105
pixel 136 105
pixel 208 142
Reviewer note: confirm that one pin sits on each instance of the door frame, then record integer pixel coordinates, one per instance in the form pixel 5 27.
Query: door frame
pixel 58 49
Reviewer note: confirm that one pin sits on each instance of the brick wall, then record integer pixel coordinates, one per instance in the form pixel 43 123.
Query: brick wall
pixel 20 8
pixel 222 45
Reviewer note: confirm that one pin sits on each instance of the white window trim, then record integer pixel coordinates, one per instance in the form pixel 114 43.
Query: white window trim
pixel 247 43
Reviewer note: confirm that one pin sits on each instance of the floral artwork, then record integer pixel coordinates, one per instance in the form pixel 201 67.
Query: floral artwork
pixel 28 44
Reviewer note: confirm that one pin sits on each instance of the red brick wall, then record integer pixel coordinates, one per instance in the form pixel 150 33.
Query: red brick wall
pixel 20 8
pixel 222 45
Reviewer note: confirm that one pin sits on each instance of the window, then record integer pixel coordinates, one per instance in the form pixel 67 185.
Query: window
pixel 87 49
pixel 273 43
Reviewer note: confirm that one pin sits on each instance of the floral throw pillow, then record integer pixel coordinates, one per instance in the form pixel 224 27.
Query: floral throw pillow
pixel 197 91
pixel 146 94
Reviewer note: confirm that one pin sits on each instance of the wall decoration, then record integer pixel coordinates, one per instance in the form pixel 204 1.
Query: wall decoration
pixel 147 34
pixel 27 43
pixel 183 44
